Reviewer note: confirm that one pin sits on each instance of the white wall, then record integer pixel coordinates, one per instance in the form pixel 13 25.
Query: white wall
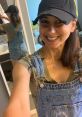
pixel 9 2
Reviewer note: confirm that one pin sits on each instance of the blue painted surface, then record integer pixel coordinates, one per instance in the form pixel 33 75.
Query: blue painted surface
pixel 33 9
pixel 38 46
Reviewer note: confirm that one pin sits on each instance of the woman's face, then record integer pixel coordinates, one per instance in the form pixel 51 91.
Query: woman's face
pixel 54 32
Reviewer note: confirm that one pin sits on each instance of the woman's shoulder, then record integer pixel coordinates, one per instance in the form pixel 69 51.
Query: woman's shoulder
pixel 8 26
pixel 32 59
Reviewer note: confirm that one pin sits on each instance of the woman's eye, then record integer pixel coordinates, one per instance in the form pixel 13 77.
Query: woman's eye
pixel 43 21
pixel 59 23
pixel 44 25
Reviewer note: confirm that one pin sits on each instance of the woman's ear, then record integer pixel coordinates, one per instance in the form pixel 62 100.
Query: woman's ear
pixel 73 25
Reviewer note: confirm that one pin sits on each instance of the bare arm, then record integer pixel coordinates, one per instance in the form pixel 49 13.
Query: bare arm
pixel 4 17
pixel 19 101
pixel 5 20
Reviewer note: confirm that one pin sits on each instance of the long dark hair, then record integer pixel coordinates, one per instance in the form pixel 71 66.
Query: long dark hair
pixel 15 19
pixel 14 15
pixel 70 53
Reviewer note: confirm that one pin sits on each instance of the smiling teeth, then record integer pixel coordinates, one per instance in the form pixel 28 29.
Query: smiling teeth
pixel 52 38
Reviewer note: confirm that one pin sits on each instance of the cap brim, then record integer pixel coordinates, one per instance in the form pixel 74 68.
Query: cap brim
pixel 60 14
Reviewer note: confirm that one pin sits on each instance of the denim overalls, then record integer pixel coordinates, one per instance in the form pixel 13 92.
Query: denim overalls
pixel 52 99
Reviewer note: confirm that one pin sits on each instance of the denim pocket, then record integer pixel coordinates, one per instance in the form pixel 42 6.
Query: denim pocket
pixel 74 110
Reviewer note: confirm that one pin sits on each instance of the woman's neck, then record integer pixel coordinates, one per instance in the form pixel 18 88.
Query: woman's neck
pixel 54 53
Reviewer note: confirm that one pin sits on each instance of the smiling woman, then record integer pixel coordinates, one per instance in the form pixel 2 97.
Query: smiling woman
pixel 54 71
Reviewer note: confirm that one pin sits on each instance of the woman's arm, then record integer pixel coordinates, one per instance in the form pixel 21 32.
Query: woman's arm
pixel 5 21
pixel 4 17
pixel 19 105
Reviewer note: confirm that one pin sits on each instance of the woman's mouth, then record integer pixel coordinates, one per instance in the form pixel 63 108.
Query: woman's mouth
pixel 52 38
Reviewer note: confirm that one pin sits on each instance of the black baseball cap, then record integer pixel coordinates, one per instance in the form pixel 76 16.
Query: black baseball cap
pixel 65 10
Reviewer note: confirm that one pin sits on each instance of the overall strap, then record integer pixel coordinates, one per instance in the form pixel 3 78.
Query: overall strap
pixel 38 67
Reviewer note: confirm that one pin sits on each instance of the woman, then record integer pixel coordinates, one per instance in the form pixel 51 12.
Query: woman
pixel 16 44
pixel 54 70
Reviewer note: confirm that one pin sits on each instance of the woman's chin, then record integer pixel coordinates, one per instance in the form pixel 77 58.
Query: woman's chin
pixel 53 46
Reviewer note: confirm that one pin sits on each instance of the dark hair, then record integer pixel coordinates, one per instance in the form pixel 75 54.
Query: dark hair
pixel 14 14
pixel 15 19
pixel 70 53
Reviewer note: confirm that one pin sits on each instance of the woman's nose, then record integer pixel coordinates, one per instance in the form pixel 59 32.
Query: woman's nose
pixel 52 29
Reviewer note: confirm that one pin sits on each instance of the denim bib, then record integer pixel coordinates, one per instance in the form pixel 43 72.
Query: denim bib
pixel 60 100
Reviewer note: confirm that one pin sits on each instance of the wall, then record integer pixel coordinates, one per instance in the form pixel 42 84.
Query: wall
pixel 9 2
pixel 3 4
